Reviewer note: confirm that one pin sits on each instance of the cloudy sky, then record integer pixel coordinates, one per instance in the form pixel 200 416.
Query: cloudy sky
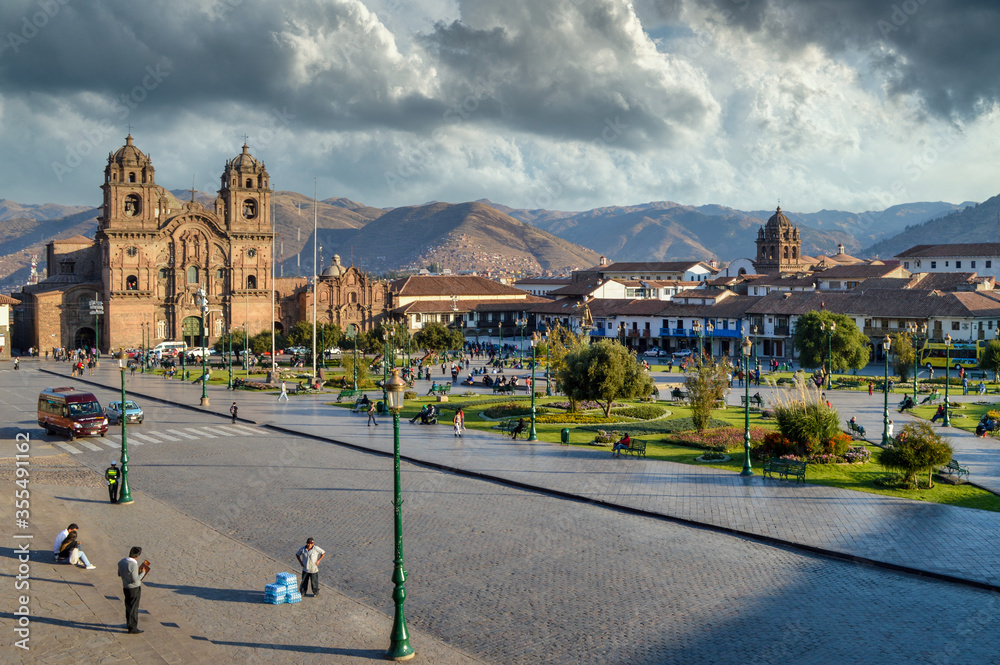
pixel 562 104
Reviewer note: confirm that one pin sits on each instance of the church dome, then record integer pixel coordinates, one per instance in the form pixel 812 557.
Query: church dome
pixel 335 269
pixel 129 155
pixel 245 161
pixel 778 221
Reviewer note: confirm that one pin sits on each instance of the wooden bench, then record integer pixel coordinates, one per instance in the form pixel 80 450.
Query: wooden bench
pixel 678 395
pixel 347 393
pixel 440 389
pixel 507 426
pixel 931 399
pixel 954 467
pixel 505 388
pixel 855 429
pixel 636 447
pixel 785 468
pixel 755 400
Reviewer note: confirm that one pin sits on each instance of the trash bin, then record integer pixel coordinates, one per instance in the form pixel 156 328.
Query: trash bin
pixel 564 435
pixel 380 407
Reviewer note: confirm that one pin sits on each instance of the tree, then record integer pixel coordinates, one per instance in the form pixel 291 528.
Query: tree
pixel 991 358
pixel 222 344
pixel 902 351
pixel 918 448
pixel 261 342
pixel 438 337
pixel 604 372
pixel 851 347
pixel 706 383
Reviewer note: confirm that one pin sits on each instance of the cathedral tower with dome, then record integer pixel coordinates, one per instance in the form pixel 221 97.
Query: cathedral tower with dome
pixel 779 248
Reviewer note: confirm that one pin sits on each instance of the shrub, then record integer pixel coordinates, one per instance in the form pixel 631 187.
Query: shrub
pixel 774 444
pixel 785 381
pixel 805 419
pixel 706 384
pixel 712 456
pixel 857 455
pixel 578 418
pixel 838 444
pixel 918 448
pixel 993 414
pixel 641 412
pixel 606 437
pixel 512 410
pixel 720 439
pixel 410 394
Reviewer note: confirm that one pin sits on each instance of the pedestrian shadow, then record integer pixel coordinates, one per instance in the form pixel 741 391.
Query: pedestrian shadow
pixel 212 593
pixel 373 654
pixel 69 623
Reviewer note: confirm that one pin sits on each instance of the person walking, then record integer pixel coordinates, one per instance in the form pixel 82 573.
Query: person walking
pixel 111 475
pixel 17 363
pixel 371 414
pixel 309 556
pixel 284 392
pixel 234 411
pixel 459 422
pixel 871 388
pixel 132 574
pixel 965 385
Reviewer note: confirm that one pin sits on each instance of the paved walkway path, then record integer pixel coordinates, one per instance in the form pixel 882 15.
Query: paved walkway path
pixel 941 540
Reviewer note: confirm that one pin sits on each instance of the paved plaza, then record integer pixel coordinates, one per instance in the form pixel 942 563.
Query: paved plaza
pixel 525 552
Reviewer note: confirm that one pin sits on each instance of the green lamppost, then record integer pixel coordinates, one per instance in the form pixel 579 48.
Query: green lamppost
pixel 229 355
pixel 747 470
pixel 886 441
pixel 534 342
pixel 125 494
pixel 352 334
pixel 521 323
pixel 142 357
pixel 947 379
pixel 500 332
pixel 709 330
pixel 387 334
pixel 548 365
pixel 202 301
pixel 913 329
pixel 183 362
pixel 756 360
pixel 829 352
pixel 399 640
pixel 696 328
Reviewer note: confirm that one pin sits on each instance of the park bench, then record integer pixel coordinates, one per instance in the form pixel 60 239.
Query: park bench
pixel 636 447
pixel 931 399
pixel 954 467
pixel 678 395
pixel 785 468
pixel 440 389
pixel 755 400
pixel 360 405
pixel 855 429
pixel 347 393
pixel 507 426
pixel 505 388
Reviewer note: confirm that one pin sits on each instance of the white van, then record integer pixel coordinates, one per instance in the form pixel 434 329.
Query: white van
pixel 168 349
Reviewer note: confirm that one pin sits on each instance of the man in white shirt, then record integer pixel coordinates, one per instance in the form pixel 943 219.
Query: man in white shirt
pixel 60 538
pixel 310 556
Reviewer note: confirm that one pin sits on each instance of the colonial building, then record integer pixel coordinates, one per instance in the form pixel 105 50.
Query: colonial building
pixel 347 295
pixel 151 255
pixel 5 340
pixel 779 248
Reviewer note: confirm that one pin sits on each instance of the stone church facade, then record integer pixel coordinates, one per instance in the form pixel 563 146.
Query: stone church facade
pixel 779 247
pixel 151 255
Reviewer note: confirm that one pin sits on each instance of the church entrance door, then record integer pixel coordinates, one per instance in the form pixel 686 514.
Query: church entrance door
pixel 191 331
pixel 85 338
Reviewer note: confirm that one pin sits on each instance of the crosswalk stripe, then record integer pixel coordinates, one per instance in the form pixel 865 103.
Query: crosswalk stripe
pixel 141 438
pixel 203 433
pixel 245 429
pixel 152 436
pixel 68 448
pixel 219 429
pixel 112 442
pixel 88 445
pixel 167 436
pixel 184 434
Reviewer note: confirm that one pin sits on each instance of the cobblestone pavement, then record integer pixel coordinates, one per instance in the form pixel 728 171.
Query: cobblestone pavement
pixel 511 575
pixel 934 538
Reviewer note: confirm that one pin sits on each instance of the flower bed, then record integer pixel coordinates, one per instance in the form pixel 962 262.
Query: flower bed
pixel 721 439
pixel 661 426
pixel 577 418
pixel 512 410
pixel 582 406
pixel 640 412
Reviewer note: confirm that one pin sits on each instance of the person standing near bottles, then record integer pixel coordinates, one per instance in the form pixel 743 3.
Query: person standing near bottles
pixel 309 556
pixel 112 475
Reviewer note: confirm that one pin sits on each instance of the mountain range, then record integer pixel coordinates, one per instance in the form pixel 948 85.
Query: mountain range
pixel 486 236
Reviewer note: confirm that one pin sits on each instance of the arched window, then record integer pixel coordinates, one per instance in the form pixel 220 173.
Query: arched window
pixel 192 274
pixel 131 176
pixel 161 329
pixel 786 253
pixel 131 283
pixel 743 271
pixel 249 183
pixel 251 282
pixel 795 252
pixel 219 274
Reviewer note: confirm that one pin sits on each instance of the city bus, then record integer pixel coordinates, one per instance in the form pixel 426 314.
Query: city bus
pixel 962 354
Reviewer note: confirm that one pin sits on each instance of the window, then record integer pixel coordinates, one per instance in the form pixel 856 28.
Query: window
pixel 954 325
pixel 251 282
pixel 972 264
pixel 906 264
pixel 192 272
pixel 131 176
pixel 219 274
pixel 161 329
pixel 446 318
pixel 416 318
pixel 989 264
pixel 958 264
pixel 933 264
pixel 946 263
pixel 249 183
pixel 131 283
pixel 163 273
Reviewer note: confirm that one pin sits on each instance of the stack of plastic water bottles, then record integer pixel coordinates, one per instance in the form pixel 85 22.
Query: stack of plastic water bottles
pixel 285 589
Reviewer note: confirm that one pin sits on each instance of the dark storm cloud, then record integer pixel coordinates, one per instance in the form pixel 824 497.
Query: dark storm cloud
pixel 943 51
pixel 244 51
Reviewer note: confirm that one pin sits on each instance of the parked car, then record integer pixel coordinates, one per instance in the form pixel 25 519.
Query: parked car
pixel 298 350
pixel 684 353
pixel 198 351
pixel 133 414
pixel 655 353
